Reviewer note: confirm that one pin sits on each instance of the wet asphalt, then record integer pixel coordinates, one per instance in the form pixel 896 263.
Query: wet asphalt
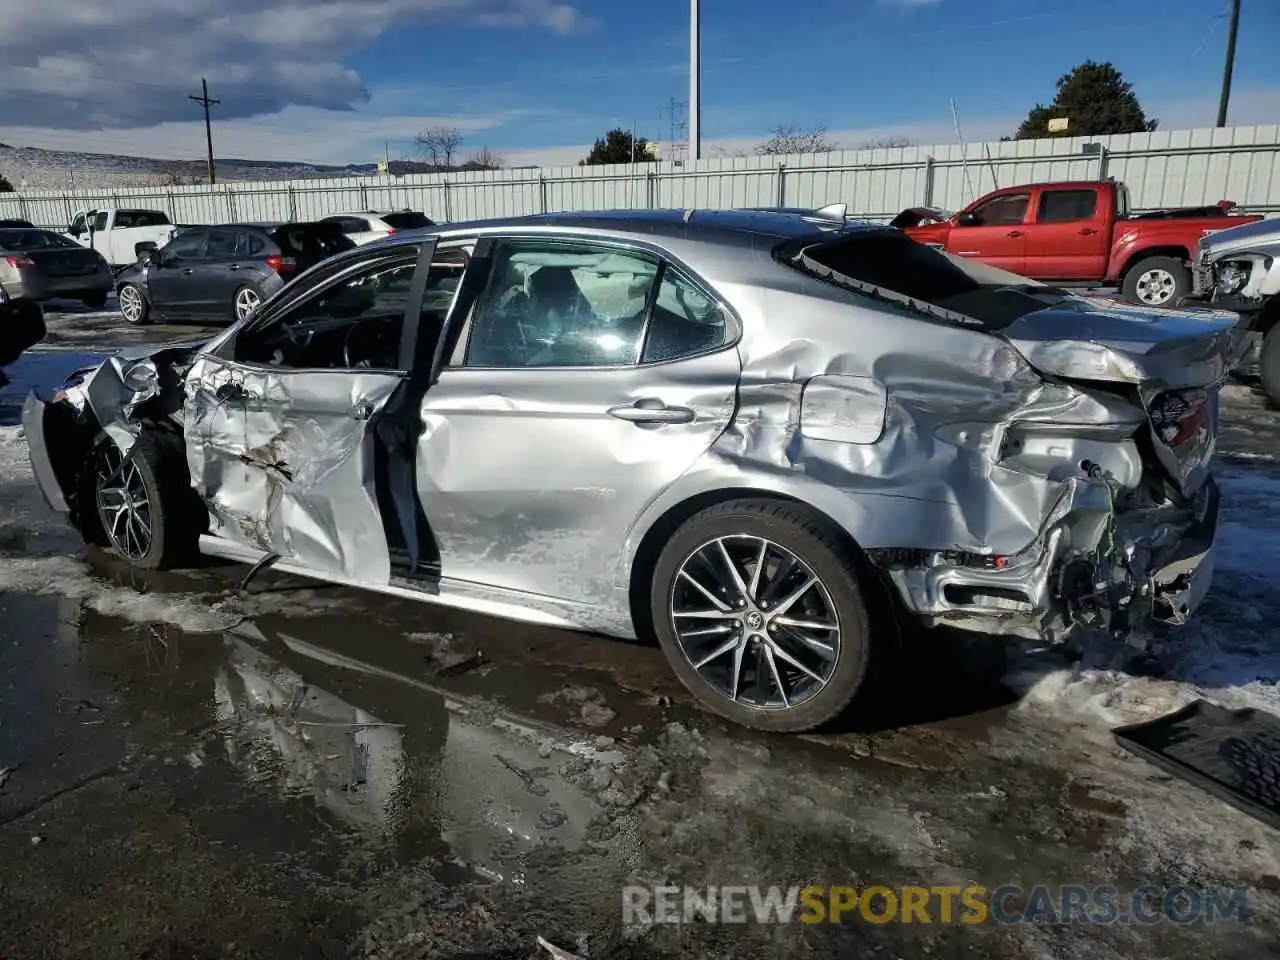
pixel 195 770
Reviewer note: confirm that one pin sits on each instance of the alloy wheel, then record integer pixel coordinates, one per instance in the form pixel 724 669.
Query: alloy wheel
pixel 131 305
pixel 123 504
pixel 247 301
pixel 755 622
pixel 1156 287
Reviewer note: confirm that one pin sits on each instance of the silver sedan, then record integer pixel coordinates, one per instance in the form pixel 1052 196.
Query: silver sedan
pixel 760 436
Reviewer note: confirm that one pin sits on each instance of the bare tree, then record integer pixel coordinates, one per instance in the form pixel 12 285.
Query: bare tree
pixel 725 153
pixel 793 139
pixel 891 142
pixel 484 159
pixel 439 144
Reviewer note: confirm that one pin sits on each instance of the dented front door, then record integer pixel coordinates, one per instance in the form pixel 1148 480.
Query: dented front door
pixel 285 451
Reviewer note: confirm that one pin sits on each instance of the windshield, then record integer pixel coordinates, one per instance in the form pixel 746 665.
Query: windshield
pixel 406 220
pixel 891 266
pixel 34 240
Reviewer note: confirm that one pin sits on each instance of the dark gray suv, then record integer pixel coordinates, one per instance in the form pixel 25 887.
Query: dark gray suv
pixel 222 272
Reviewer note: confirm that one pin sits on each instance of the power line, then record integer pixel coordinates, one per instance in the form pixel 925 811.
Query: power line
pixel 204 101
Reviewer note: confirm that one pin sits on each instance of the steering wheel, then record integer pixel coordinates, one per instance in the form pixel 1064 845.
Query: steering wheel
pixel 366 341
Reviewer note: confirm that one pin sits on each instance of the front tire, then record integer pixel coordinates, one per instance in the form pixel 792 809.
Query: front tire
pixel 1157 282
pixel 133 305
pixel 149 514
pixel 757 606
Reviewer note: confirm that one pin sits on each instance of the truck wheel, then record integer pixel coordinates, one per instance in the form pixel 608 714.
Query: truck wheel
pixel 133 305
pixel 1157 282
pixel 1269 364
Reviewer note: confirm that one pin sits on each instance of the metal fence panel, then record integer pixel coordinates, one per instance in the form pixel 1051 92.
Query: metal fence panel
pixel 1162 168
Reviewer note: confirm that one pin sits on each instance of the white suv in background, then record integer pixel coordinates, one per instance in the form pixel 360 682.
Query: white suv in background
pixel 375 224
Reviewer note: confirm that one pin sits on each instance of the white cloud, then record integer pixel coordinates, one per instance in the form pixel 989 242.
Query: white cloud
pixel 125 64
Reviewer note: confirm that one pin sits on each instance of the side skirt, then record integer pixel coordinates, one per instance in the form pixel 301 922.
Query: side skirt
pixel 457 594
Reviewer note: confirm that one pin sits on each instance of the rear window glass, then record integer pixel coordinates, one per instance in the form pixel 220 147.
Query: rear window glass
pixel 1062 206
pixel 33 240
pixel 891 265
pixel 406 220
pixel 312 239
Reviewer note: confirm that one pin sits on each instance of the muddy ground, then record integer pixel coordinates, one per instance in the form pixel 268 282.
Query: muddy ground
pixel 296 770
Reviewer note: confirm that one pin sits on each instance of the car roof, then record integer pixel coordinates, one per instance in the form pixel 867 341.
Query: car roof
pixel 728 227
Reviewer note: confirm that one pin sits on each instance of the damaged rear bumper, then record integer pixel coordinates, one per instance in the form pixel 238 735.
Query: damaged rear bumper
pixel 1091 566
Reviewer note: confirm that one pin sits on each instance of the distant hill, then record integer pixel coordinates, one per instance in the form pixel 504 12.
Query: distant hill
pixel 33 168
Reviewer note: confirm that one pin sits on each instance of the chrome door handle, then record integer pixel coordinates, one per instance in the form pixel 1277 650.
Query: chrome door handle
pixel 362 411
pixel 234 266
pixel 187 271
pixel 652 411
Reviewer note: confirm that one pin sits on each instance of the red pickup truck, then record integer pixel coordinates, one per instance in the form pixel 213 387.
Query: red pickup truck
pixel 1077 232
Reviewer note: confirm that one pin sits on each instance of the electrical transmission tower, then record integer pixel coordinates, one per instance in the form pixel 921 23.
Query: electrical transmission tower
pixel 675 117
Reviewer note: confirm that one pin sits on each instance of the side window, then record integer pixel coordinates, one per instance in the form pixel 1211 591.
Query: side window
pixel 1062 206
pixel 187 246
pixel 124 220
pixel 222 244
pixel 77 225
pixel 149 218
pixel 100 221
pixel 685 321
pixel 253 245
pixel 554 303
pixel 353 325
pixel 1003 211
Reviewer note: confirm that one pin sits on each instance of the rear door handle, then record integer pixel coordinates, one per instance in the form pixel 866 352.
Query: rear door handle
pixel 187 271
pixel 234 266
pixel 1015 233
pixel 1087 232
pixel 651 410
pixel 362 410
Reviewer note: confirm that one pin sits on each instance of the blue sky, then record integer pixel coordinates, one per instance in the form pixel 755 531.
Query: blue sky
pixel 538 80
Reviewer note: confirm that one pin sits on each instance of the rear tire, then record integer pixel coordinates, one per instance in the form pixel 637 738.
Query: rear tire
pixel 1157 282
pixel 1269 364
pixel 247 299
pixel 149 514
pixel 133 305
pixel 819 667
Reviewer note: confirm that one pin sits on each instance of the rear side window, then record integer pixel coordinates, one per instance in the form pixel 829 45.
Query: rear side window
pixel 406 220
pixel 1062 206
pixel 348 224
pixel 894 266
pixel 140 218
pixel 223 244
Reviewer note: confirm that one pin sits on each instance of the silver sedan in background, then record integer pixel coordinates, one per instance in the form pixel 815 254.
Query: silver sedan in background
pixel 761 436
pixel 41 265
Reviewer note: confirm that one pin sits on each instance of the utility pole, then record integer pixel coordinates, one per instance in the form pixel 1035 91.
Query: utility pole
pixel 695 82
pixel 205 102
pixel 1230 65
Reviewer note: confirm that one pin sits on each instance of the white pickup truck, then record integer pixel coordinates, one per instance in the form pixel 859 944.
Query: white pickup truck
pixel 120 235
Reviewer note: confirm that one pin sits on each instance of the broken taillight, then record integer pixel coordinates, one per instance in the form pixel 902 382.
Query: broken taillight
pixel 282 264
pixel 1179 415
pixel 20 263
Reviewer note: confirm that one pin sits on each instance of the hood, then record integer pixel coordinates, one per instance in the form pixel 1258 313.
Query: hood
pixel 1088 339
pixel 1261 236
